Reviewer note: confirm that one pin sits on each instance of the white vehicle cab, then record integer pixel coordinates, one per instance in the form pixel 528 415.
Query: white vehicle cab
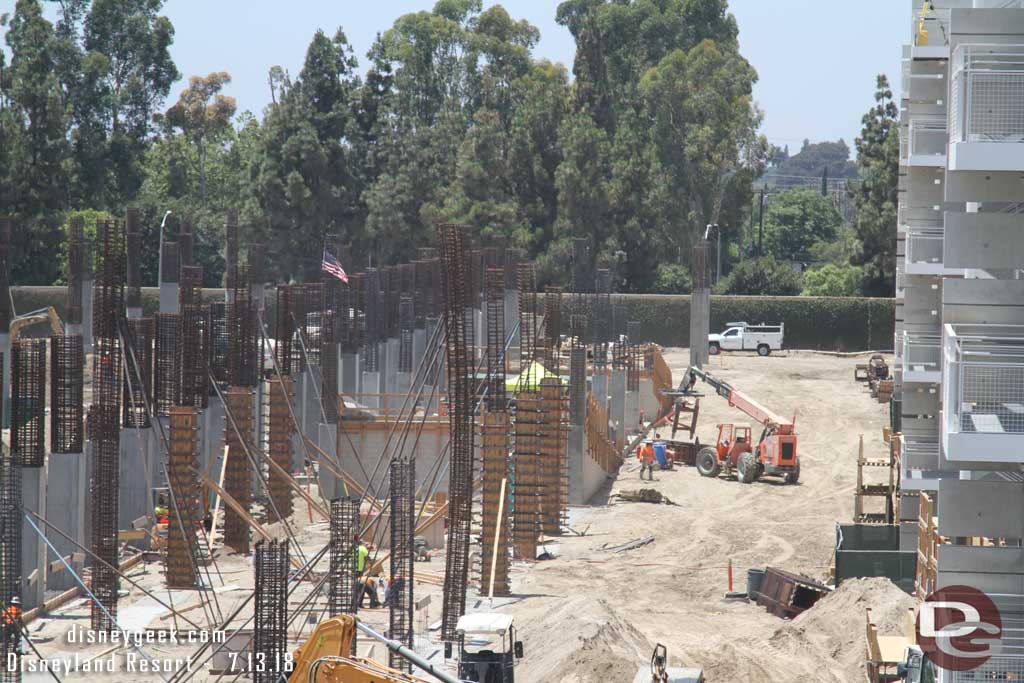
pixel 762 338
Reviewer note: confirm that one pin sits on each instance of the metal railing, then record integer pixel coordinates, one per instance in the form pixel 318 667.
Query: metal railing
pixel 924 245
pixel 987 94
pixel 928 138
pixel 921 352
pixel 983 379
pixel 1008 663
pixel 920 453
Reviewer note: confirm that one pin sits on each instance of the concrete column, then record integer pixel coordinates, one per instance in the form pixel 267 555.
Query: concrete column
pixel 65 508
pixel 86 315
pixel 617 401
pixel 419 347
pixel 599 387
pixel 213 423
pixel 632 413
pixel 390 367
pixel 133 483
pixel 330 488
pixel 33 549
pixel 349 374
pixel 371 389
pixel 577 417
pixel 168 297
pixel 5 386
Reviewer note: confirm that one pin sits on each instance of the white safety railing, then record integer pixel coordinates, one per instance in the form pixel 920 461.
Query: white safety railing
pixel 931 27
pixel 987 94
pixel 928 138
pixel 1007 664
pixel 924 245
pixel 920 453
pixel 983 377
pixel 921 352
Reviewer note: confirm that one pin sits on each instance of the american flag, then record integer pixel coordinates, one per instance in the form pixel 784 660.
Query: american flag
pixel 332 266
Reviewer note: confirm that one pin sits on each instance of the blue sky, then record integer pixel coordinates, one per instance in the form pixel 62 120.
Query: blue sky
pixel 817 59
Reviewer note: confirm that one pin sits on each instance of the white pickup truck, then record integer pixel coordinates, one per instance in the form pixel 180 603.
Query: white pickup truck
pixel 762 338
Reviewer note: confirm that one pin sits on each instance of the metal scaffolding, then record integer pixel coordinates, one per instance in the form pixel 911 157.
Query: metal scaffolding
pixel 270 612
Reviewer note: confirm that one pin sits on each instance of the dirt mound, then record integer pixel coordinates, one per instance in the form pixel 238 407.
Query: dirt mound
pixel 582 640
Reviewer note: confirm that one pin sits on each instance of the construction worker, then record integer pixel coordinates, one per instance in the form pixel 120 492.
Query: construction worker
pixel 367 585
pixel 645 453
pixel 12 622
pixel 160 511
pixel 362 552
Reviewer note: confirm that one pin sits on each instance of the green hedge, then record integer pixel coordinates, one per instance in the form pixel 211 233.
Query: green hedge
pixel 822 323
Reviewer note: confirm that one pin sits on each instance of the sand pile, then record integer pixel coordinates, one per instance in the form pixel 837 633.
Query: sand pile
pixel 581 639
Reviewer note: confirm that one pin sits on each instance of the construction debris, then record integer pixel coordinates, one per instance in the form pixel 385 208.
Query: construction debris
pixel 644 496
pixel 629 545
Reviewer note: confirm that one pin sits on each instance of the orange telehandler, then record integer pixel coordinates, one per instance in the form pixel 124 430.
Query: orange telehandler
pixel 775 452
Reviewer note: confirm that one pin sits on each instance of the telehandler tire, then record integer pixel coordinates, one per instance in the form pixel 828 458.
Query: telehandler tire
pixel 746 468
pixel 793 476
pixel 707 462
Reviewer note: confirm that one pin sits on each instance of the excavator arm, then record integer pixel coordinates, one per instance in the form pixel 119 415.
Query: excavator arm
pixel 42 315
pixel 325 657
pixel 737 399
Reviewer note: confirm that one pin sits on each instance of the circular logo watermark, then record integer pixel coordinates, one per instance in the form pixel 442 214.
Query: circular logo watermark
pixel 959 628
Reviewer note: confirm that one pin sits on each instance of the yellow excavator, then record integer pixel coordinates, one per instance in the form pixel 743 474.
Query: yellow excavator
pixel 325 658
pixel 42 315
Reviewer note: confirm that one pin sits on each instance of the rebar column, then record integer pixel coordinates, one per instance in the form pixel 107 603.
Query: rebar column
pixel 528 489
pixel 284 330
pixel 133 272
pixel 495 508
pixel 454 240
pixel 183 463
pixel 238 410
pixel 270 612
pixel 138 385
pixel 28 402
pixel 527 284
pixel 279 439
pixel 166 368
pixel 554 473
pixel 10 559
pixel 6 315
pixel 552 326
pixel 67 361
pixel 496 360
pixel 193 357
pixel 403 525
pixel 343 557
pixel 75 276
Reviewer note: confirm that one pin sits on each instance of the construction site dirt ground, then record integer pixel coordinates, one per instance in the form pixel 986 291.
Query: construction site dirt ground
pixel 592 615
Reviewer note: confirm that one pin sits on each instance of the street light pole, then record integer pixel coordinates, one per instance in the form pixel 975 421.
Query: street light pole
pixel 160 251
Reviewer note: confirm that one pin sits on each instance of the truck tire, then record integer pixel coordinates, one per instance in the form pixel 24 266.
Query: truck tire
pixel 793 476
pixel 746 468
pixel 714 349
pixel 707 462
pixel 763 350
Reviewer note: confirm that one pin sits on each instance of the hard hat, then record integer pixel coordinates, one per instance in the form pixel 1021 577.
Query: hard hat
pixel 15 600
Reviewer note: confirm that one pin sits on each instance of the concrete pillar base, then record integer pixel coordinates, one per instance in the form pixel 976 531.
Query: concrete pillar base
pixel 65 507
pixel 33 549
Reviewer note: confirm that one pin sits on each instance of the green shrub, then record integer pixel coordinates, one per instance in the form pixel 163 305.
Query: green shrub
pixel 762 276
pixel 834 280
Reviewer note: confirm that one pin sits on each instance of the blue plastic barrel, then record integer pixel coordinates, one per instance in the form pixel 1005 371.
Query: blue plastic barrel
pixel 659 453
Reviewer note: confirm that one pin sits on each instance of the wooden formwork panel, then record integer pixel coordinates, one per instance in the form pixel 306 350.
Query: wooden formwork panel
pixel 184 507
pixel 280 428
pixel 495 529
pixel 238 470
pixel 786 595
